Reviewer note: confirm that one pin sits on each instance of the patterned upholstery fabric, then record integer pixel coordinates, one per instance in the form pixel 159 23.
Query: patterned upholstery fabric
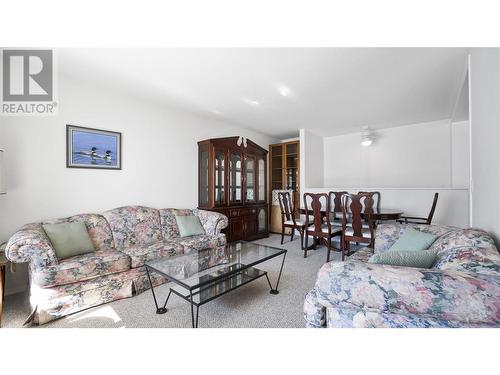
pixel 213 222
pixel 461 290
pixel 169 224
pixel 362 254
pixel 124 237
pixel 142 253
pixel 200 242
pixel 470 259
pixel 354 318
pixel 53 303
pixel 31 244
pixel 387 234
pixel 134 225
pixel 97 227
pixel 80 268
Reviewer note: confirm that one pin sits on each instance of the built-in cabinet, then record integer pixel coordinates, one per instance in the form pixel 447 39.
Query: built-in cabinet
pixel 232 180
pixel 284 172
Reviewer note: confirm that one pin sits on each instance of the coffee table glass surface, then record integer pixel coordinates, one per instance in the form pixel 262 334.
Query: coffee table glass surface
pixel 193 270
pixel 199 278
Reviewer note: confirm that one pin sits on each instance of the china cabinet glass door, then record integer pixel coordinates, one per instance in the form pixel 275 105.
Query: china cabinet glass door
pixel 235 177
pixel 219 177
pixel 261 165
pixel 250 179
pixel 204 178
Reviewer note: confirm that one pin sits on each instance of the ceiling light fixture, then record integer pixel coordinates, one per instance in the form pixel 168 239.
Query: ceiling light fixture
pixel 366 137
pixel 284 91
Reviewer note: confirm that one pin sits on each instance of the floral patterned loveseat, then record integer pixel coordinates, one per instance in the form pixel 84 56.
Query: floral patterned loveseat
pixel 124 238
pixel 462 289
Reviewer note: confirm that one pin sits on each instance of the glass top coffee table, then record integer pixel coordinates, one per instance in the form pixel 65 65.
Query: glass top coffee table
pixel 198 282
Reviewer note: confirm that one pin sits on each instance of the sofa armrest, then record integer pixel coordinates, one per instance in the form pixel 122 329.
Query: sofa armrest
pixel 213 222
pixel 31 244
pixel 437 294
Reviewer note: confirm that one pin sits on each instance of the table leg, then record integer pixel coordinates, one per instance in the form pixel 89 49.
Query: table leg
pixel 275 289
pixel 192 311
pixel 159 310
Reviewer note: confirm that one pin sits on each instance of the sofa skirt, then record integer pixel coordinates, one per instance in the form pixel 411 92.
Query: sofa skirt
pixel 56 302
pixel 53 303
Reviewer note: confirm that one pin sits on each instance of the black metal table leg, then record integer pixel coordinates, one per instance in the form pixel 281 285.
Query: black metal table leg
pixel 192 310
pixel 275 290
pixel 159 310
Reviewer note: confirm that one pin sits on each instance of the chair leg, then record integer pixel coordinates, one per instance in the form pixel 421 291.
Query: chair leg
pixel 342 246
pixel 348 249
pixel 301 239
pixel 329 249
pixel 291 236
pixel 306 245
pixel 282 234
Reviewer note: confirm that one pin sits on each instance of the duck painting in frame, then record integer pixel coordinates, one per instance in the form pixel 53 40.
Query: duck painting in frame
pixel 93 148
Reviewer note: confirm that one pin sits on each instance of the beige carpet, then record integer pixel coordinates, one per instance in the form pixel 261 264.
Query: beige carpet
pixel 250 306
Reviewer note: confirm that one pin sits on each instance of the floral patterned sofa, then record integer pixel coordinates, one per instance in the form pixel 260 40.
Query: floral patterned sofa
pixel 124 238
pixel 462 289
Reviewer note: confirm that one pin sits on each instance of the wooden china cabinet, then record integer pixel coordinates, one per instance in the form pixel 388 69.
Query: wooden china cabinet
pixel 232 180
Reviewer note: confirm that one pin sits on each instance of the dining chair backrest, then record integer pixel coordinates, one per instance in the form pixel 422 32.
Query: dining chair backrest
pixel 315 203
pixel 373 201
pixel 335 198
pixel 354 204
pixel 286 206
pixel 433 208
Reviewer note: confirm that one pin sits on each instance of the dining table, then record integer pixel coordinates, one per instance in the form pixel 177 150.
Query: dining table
pixel 378 214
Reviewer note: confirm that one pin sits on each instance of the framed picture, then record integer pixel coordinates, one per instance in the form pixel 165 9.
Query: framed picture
pixel 93 148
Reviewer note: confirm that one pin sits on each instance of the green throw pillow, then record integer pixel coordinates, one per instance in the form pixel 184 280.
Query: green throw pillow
pixel 413 240
pixel 417 259
pixel 69 239
pixel 189 226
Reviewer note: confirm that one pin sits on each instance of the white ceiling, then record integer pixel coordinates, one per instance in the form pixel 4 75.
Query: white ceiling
pixel 328 90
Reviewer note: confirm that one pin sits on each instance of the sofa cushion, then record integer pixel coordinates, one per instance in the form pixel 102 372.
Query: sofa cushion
pixel 387 234
pixel 97 228
pixel 189 225
pixel 69 239
pixel 416 259
pixel 142 253
pixel 80 268
pixel 134 225
pixel 413 240
pixel 169 223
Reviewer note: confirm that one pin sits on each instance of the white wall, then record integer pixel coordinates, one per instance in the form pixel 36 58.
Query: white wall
pixel 407 164
pixel 484 82
pixel 417 156
pixel 311 167
pixel 159 158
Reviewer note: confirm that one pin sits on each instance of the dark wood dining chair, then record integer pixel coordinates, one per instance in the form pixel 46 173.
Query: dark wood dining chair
pixel 373 200
pixel 358 230
pixel 319 230
pixel 335 198
pixel 421 220
pixel 288 218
